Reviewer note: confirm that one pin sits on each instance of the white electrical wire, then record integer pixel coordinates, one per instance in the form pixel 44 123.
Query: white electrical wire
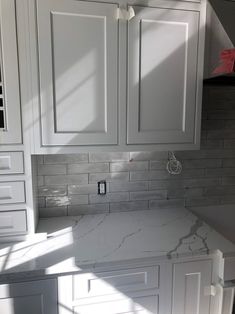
pixel 173 165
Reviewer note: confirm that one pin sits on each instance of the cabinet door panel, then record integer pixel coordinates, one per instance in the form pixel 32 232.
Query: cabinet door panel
pixel 189 281
pixel 10 124
pixel 78 72
pixel 38 297
pixel 162 61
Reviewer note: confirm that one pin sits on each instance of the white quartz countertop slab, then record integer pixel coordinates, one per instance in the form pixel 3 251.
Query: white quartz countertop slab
pixel 74 242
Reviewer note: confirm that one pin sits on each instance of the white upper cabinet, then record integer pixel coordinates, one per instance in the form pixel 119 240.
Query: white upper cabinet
pixel 115 76
pixel 162 80
pixel 77 42
pixel 10 112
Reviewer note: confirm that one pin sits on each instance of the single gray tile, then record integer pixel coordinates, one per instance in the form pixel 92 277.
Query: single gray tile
pixel 229 124
pixel 57 201
pixel 219 190
pixel 88 209
pixel 166 184
pixel 228 199
pixel 228 180
pixel 40 159
pixel 158 164
pixel 217 172
pixel 162 204
pixel 109 157
pixel 140 175
pixel 212 144
pixel 41 201
pixel 221 134
pixel 221 114
pixel 40 180
pixel 109 198
pixel 203 201
pixel 229 143
pixel 148 155
pixel 66 200
pixel 128 186
pixel 184 193
pixel 229 163
pixel 65 158
pixel 78 199
pixel 66 179
pixel 202 182
pixel 109 177
pixel 148 195
pixel 56 190
pixel 129 166
pixel 163 174
pixel 88 168
pixel 128 206
pixel 53 212
pixel 83 189
pixel 51 169
pixel 213 124
pixel 202 163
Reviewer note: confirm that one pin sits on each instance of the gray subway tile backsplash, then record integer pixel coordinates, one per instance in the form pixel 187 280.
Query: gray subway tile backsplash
pixel 67 184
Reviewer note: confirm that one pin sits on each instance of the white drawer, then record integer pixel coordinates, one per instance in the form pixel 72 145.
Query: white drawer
pixel 12 192
pixel 97 284
pixel 12 222
pixel 139 305
pixel 11 163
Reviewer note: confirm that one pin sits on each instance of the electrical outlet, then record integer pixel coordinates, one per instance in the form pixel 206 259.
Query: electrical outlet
pixel 102 187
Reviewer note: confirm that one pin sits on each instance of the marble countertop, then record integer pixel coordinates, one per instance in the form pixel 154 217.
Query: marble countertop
pixel 90 240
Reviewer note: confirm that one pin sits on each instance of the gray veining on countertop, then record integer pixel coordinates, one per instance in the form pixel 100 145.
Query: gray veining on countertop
pixel 74 242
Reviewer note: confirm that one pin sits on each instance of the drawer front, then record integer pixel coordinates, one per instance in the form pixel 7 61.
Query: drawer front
pixel 11 163
pixel 12 192
pixel 97 284
pixel 139 305
pixel 13 222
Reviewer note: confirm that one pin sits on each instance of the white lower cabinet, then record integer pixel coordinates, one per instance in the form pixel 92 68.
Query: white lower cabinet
pixel 142 290
pixel 190 282
pixel 36 297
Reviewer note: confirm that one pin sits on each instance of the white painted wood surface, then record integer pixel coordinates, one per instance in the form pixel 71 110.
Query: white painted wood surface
pixel 228 300
pixel 11 163
pixel 13 222
pixel 12 133
pixel 162 63
pixel 189 283
pixel 100 284
pixel 37 297
pixel 78 72
pixel 138 305
pixel 12 192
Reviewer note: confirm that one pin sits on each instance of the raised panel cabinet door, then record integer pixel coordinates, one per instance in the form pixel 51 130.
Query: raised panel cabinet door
pixel 37 297
pixel 162 79
pixel 190 281
pixel 78 44
pixel 10 110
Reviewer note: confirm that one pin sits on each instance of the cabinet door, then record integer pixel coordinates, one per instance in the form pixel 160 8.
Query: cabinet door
pixel 77 42
pixel 10 113
pixel 37 297
pixel 162 62
pixel 189 283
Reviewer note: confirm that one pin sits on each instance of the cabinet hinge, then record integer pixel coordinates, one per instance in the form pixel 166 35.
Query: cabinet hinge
pixel 123 14
pixel 212 290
